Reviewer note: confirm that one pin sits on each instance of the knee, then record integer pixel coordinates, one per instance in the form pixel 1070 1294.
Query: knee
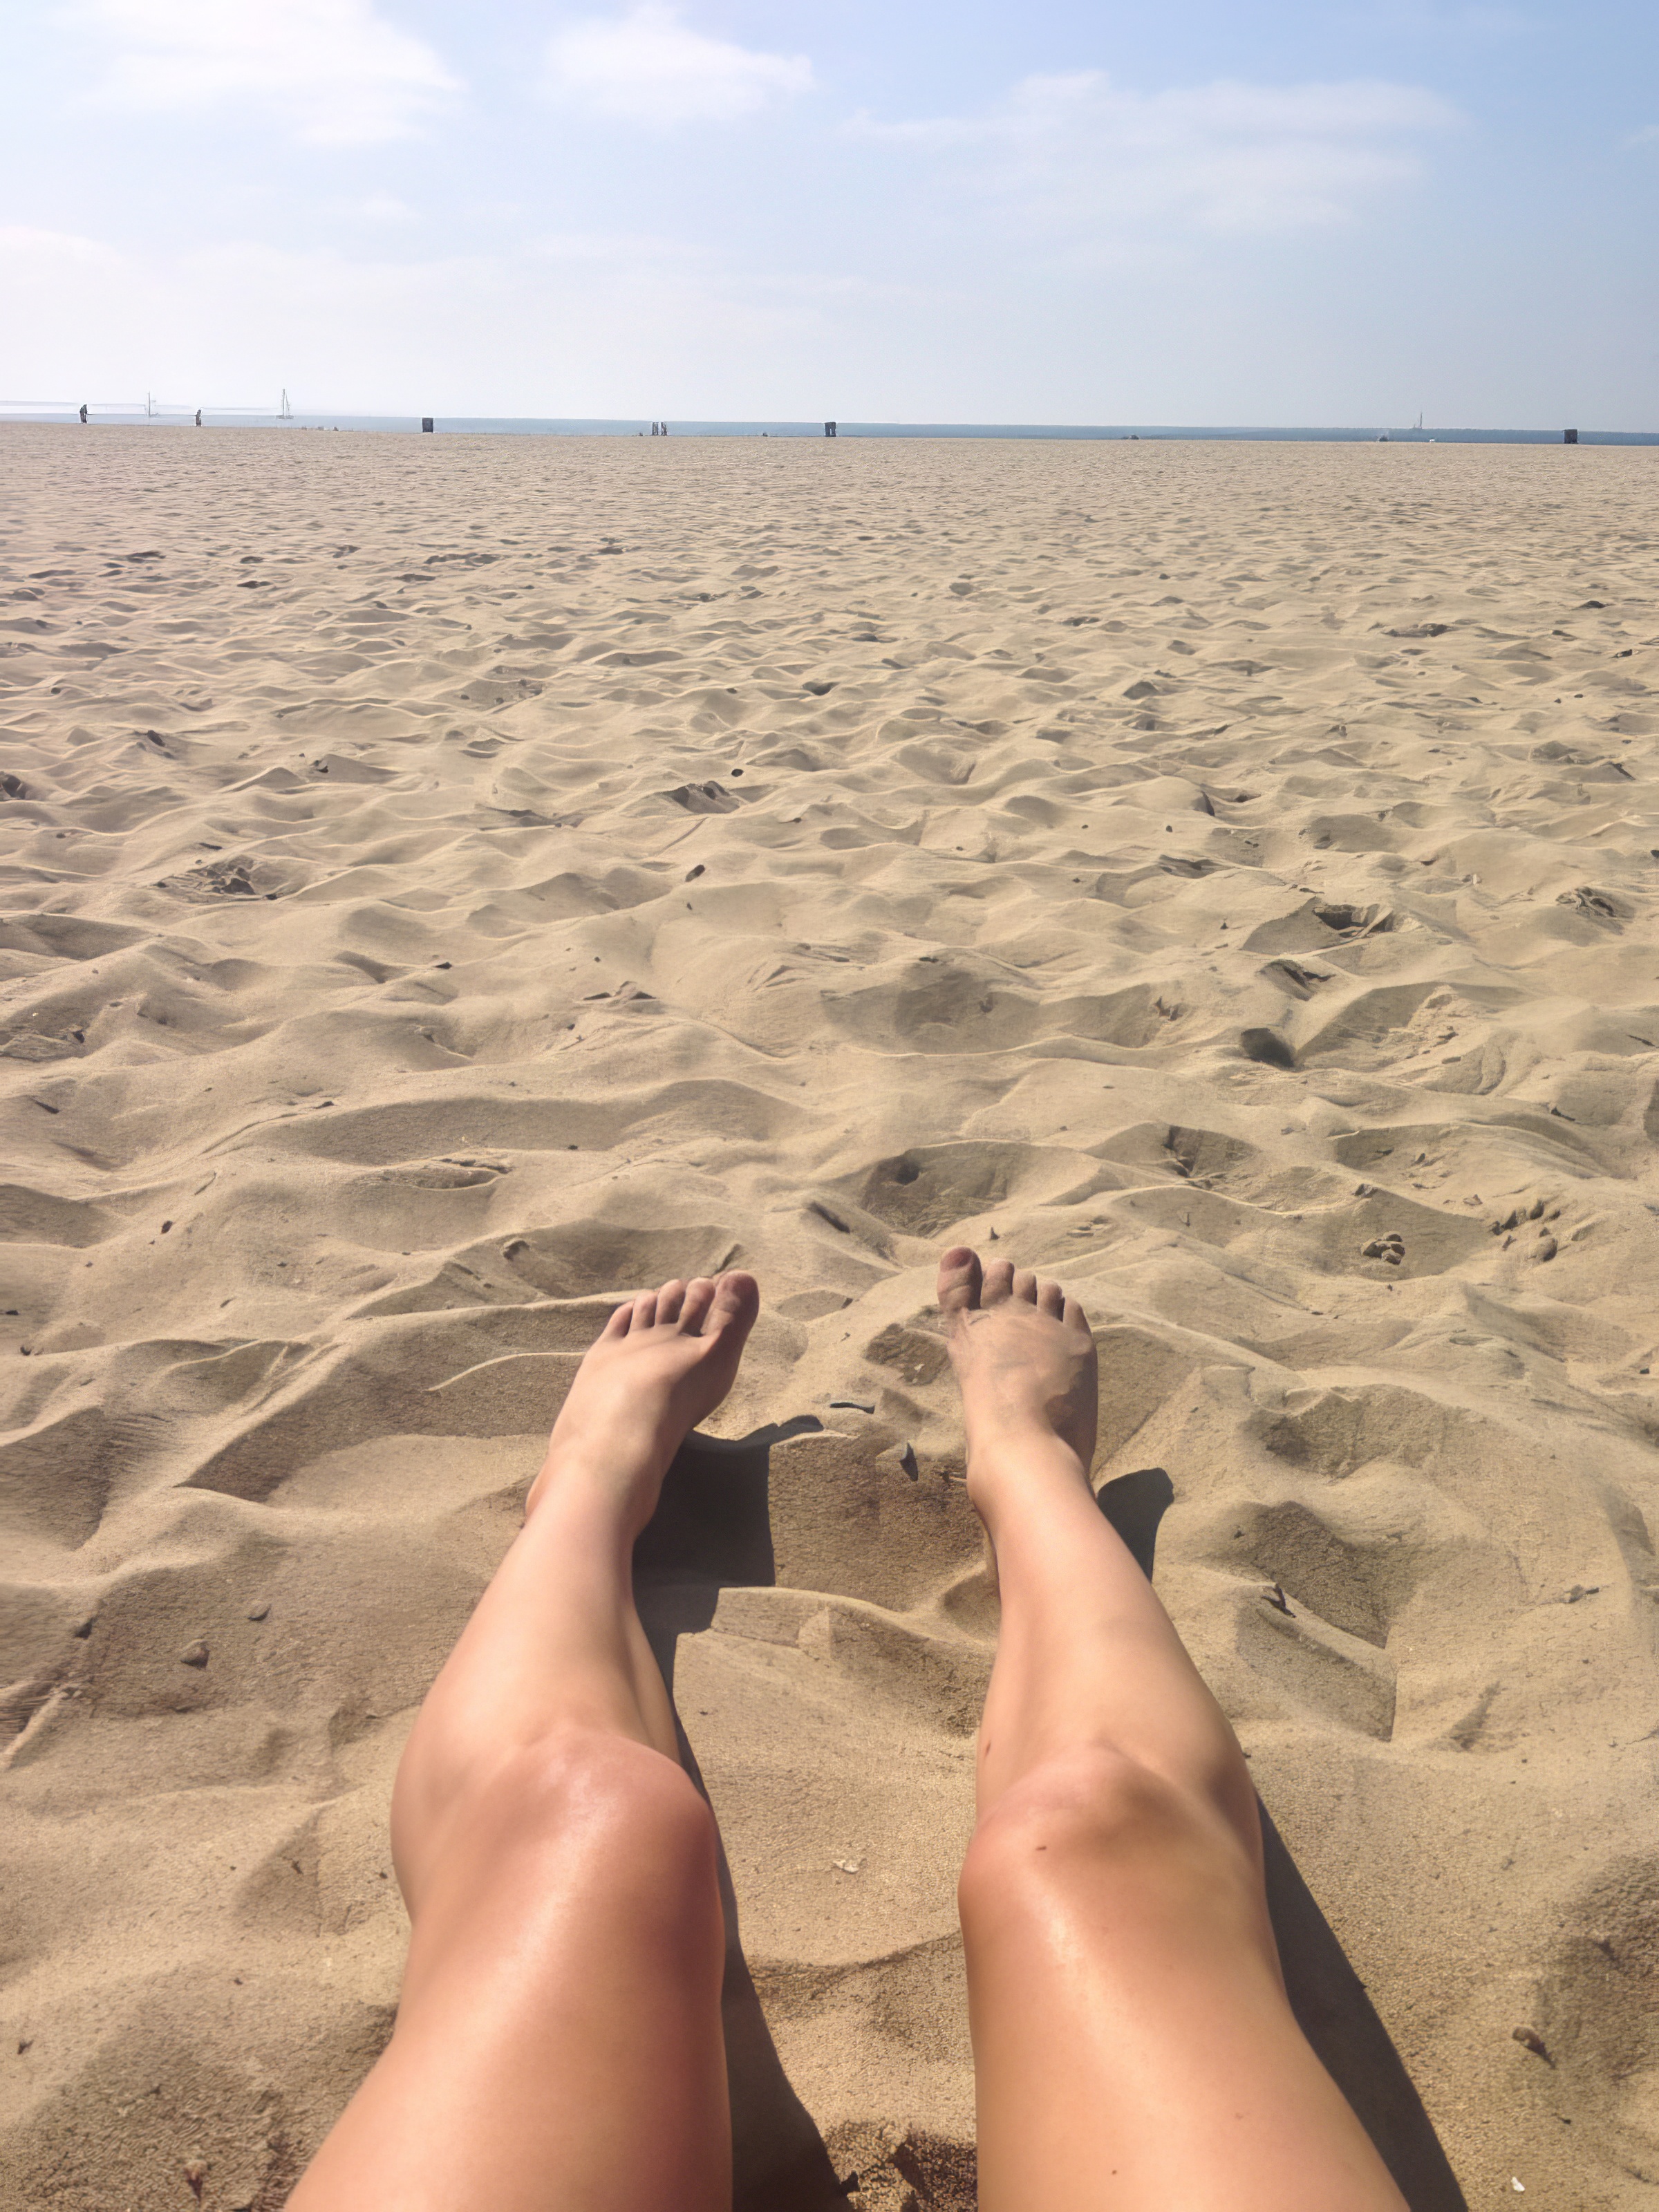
pixel 631 1820
pixel 591 1788
pixel 1096 1823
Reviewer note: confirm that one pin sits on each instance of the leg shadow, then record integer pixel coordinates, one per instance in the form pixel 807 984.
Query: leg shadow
pixel 1327 1995
pixel 1340 2021
pixel 712 1527
pixel 1135 1505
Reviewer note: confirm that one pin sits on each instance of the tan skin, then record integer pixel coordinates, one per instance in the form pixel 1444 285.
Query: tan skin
pixel 558 2041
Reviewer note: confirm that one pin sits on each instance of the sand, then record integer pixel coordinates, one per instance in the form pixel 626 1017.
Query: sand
pixel 597 859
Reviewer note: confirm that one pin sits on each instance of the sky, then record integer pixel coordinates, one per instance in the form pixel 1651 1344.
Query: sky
pixel 1225 212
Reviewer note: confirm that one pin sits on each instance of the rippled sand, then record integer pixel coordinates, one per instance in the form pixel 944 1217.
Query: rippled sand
pixel 1223 875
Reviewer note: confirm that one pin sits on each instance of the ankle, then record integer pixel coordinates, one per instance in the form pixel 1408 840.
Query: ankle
pixel 1008 1461
pixel 617 1483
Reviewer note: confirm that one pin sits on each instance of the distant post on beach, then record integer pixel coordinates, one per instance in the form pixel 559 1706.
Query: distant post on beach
pixel 426 422
pixel 829 429
pixel 1570 437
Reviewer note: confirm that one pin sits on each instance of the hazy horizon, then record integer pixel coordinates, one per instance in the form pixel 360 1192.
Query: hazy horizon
pixel 132 415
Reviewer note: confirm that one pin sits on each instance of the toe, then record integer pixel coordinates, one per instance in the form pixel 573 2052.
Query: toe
pixel 669 1299
pixel 645 1312
pixel 1025 1286
pixel 735 1304
pixel 699 1297
pixel 1077 1320
pixel 1051 1300
pixel 958 1281
pixel 998 1285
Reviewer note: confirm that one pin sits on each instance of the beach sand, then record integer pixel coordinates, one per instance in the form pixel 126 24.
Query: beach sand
pixel 598 859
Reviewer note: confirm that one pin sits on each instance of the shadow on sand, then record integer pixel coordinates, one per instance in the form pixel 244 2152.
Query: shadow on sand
pixel 713 1529
pixel 1327 1995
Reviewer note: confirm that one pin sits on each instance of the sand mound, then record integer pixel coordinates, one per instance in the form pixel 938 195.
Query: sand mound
pixel 1174 863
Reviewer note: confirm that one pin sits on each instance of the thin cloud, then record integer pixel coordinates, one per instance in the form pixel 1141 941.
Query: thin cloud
pixel 648 67
pixel 334 71
pixel 1078 154
pixel 21 243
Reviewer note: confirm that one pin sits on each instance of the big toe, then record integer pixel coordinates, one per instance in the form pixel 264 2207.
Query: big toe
pixel 736 1303
pixel 958 1281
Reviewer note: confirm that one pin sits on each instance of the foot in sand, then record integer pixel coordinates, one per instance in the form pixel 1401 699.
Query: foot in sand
pixel 1024 1362
pixel 662 1362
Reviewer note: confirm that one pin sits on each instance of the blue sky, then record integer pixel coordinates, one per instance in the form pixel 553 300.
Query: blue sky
pixel 1195 212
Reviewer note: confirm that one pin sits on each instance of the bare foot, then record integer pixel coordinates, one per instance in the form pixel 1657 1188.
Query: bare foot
pixel 660 1364
pixel 1025 1364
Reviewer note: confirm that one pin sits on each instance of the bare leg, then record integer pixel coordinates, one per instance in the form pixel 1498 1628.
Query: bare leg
pixel 1133 2043
pixel 558 2043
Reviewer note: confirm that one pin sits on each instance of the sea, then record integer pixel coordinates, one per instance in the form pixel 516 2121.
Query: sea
pixel 598 426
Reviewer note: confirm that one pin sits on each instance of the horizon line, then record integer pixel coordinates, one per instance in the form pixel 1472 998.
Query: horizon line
pixel 135 413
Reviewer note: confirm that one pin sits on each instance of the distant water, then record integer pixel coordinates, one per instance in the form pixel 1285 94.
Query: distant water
pixel 579 427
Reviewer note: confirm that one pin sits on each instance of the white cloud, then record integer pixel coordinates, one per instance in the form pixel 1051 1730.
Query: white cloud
pixel 23 245
pixel 383 207
pixel 1076 154
pixel 334 70
pixel 648 67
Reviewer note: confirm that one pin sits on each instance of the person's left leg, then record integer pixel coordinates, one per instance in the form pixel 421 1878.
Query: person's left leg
pixel 558 2045
pixel 1134 2049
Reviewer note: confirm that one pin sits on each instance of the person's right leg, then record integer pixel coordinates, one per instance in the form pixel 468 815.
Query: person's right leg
pixel 1133 2047
pixel 558 2045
